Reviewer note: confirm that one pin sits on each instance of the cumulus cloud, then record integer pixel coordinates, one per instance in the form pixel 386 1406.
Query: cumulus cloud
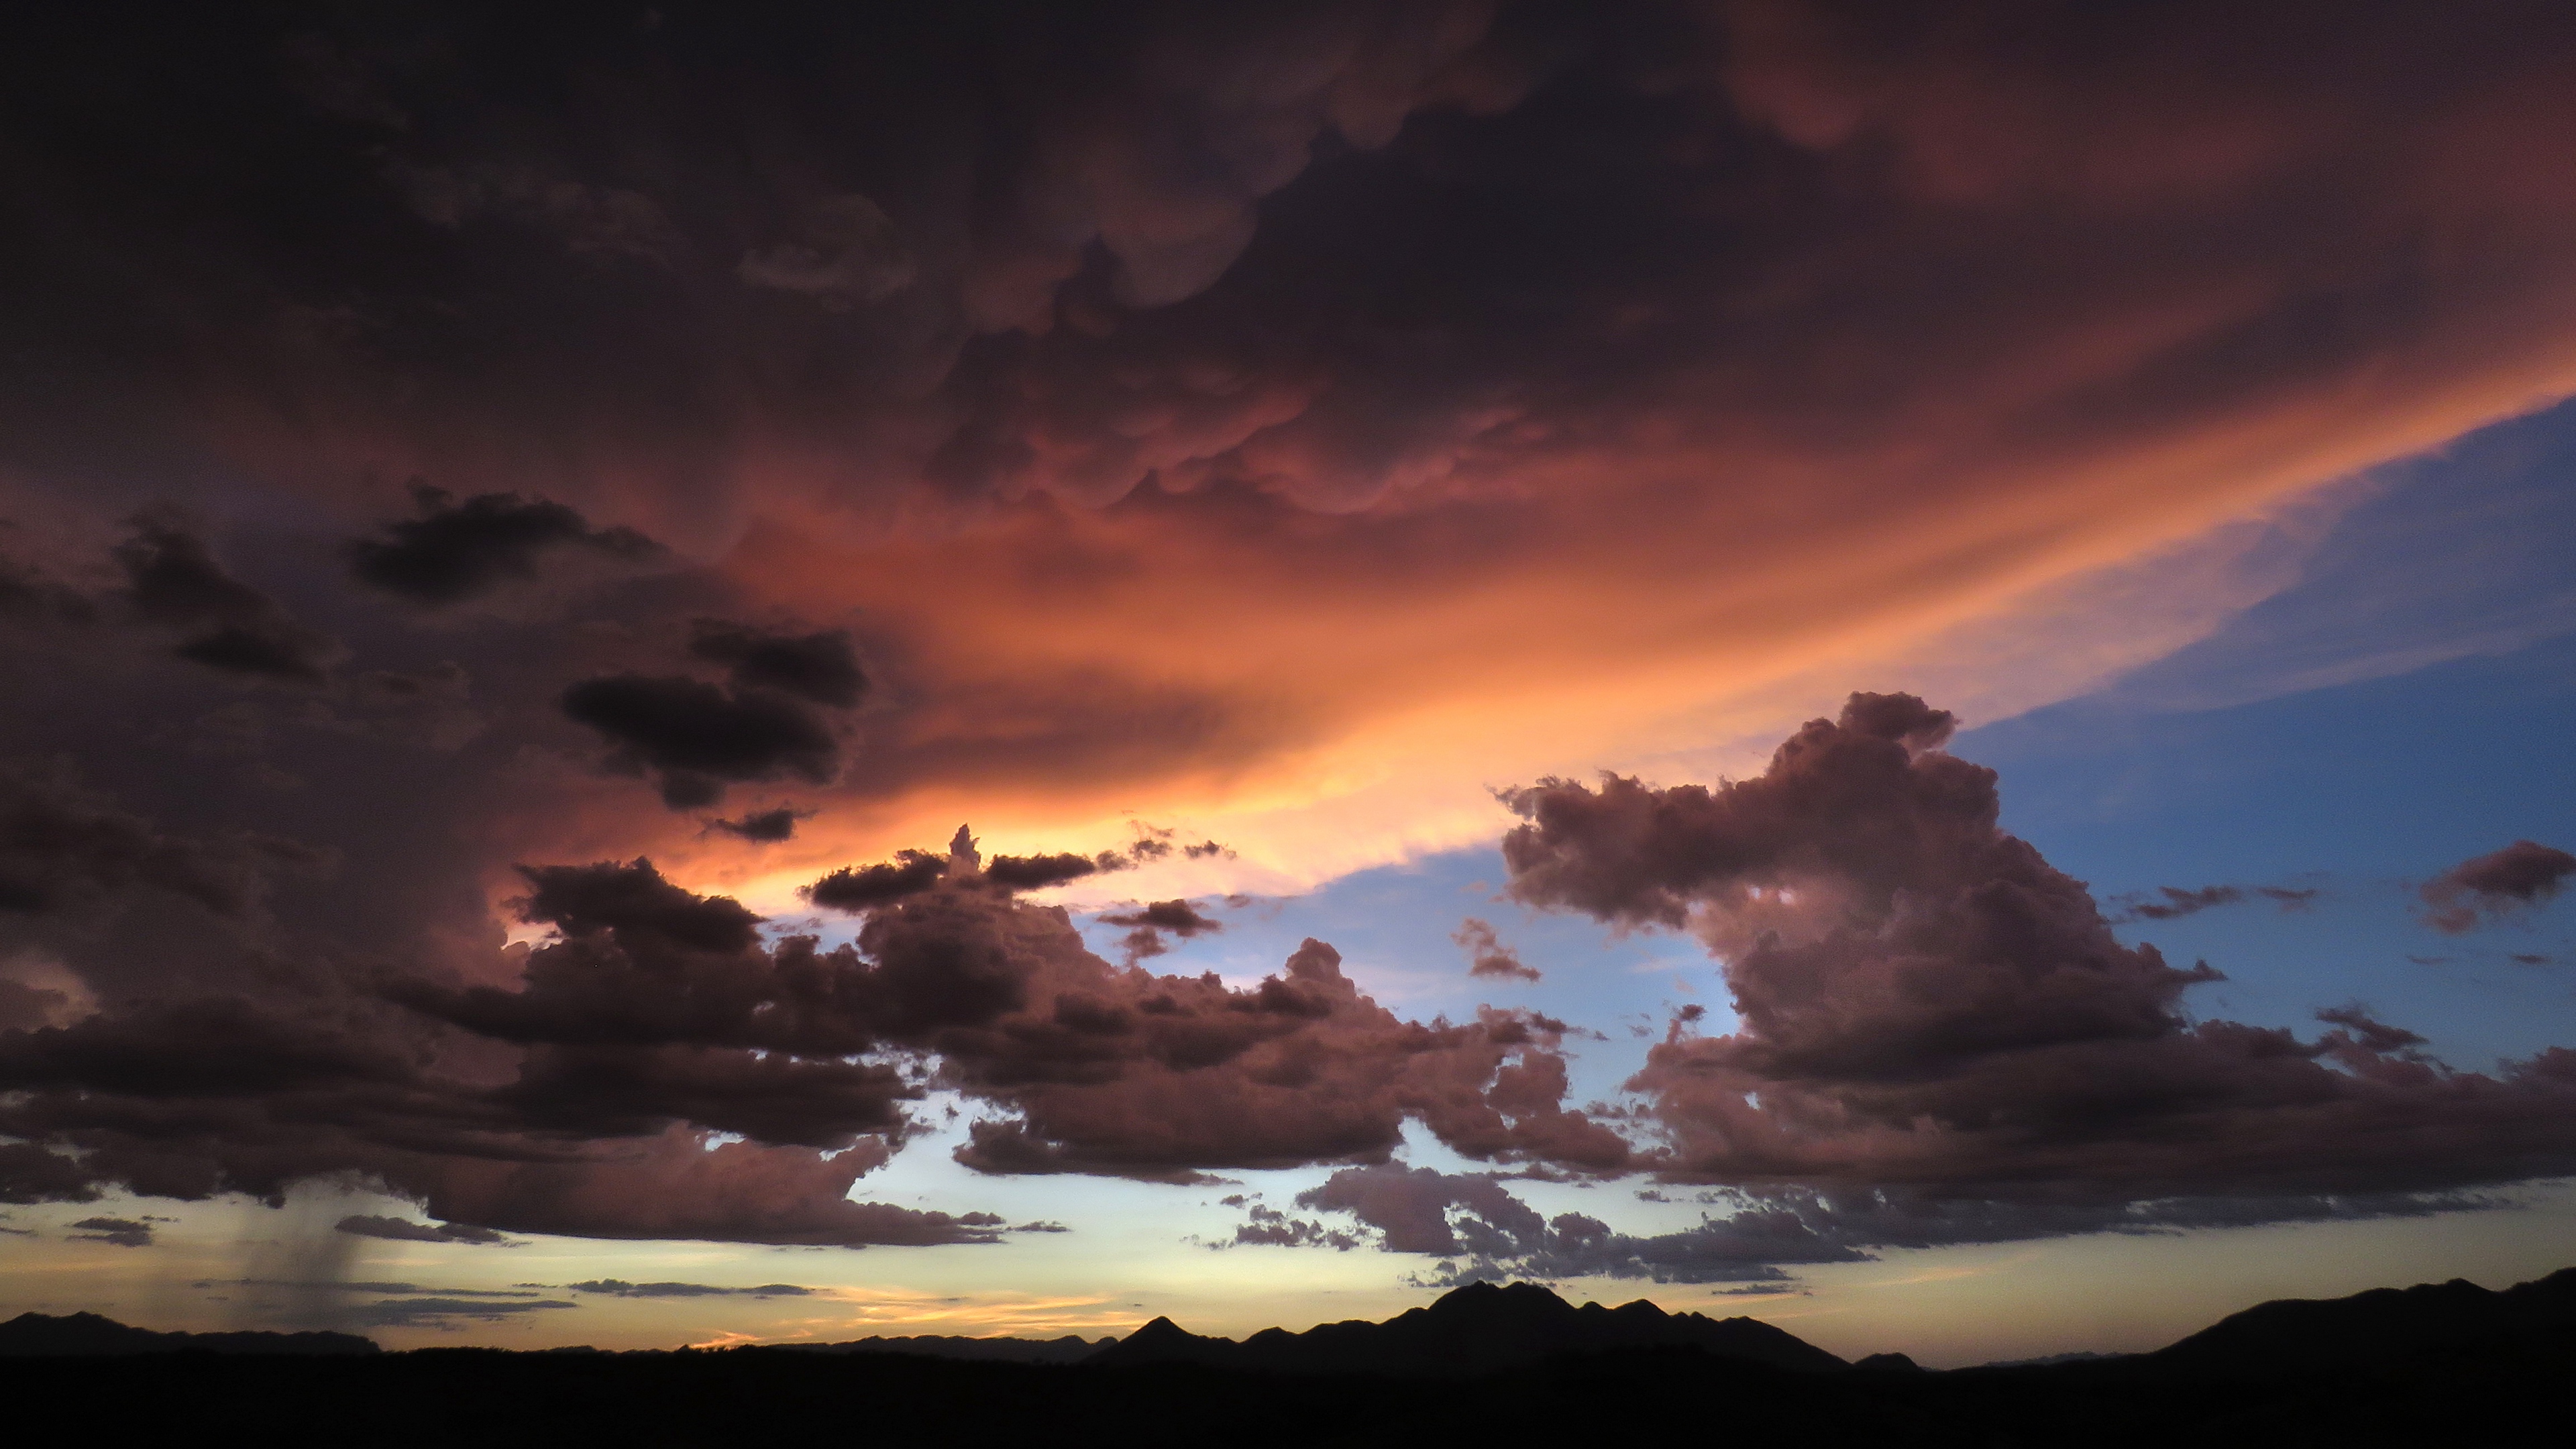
pixel 1927 1006
pixel 2496 886
pixel 457 551
pixel 1487 955
pixel 1147 925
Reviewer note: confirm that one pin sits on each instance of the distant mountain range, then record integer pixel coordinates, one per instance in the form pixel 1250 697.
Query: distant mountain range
pixel 2441 1364
pixel 88 1335
pixel 1487 1328
pixel 1480 1328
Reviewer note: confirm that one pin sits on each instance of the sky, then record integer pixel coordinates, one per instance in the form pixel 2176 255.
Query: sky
pixel 689 677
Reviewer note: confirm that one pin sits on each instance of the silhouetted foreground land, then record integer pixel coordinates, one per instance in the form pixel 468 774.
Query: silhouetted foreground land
pixel 2448 1364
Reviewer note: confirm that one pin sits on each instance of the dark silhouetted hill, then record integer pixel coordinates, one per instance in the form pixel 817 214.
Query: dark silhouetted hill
pixel 2432 1366
pixel 1481 1328
pixel 87 1335
pixel 1067 1349
pixel 2376 1326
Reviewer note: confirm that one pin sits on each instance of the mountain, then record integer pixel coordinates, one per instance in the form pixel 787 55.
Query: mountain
pixel 1481 1328
pixel 39 1335
pixel 2293 1334
pixel 1067 1349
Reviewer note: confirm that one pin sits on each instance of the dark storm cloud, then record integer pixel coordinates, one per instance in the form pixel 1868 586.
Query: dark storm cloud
pixel 457 551
pixel 172 581
pixel 764 827
pixel 2496 886
pixel 620 1288
pixel 699 738
pixel 1927 1006
pixel 63 847
pixel 860 888
pixel 403 1230
pixel 876 308
pixel 1487 955
pixel 817 668
pixel 1147 925
pixel 1490 1233
pixel 121 1232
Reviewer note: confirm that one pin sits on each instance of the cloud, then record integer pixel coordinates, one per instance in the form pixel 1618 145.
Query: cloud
pixel 457 551
pixel 1487 953
pixel 2169 903
pixel 122 1232
pixel 445 1312
pixel 699 738
pixel 1927 1007
pixel 620 1288
pixel 1488 1233
pixel 172 581
pixel 2496 886
pixel 764 827
pixel 817 668
pixel 65 848
pixel 1147 925
pixel 369 1225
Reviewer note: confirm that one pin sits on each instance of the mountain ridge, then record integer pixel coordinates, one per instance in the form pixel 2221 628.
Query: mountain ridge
pixel 1479 1328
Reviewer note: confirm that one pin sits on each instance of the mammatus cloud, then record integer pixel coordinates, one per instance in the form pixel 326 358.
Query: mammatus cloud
pixel 1928 1008
pixel 1487 955
pixel 2496 886
pixel 458 551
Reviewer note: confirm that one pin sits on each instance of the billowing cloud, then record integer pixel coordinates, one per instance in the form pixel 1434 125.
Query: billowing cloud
pixel 1179 411
pixel 2495 886
pixel 1927 1006
pixel 456 551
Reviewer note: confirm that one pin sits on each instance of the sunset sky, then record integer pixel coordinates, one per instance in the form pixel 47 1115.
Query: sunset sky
pixel 1001 668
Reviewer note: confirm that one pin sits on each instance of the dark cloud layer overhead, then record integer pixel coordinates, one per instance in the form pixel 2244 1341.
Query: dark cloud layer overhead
pixel 455 551
pixel 885 414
